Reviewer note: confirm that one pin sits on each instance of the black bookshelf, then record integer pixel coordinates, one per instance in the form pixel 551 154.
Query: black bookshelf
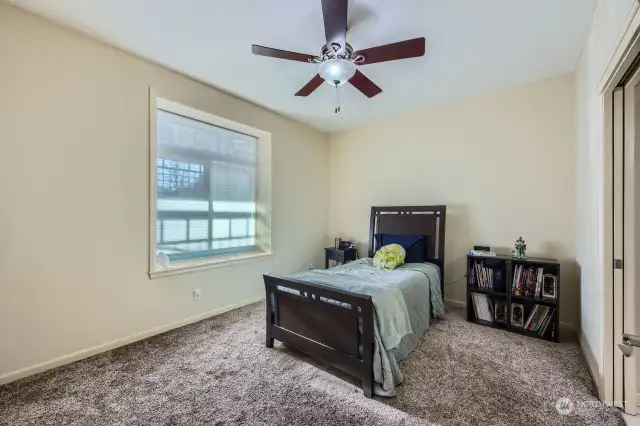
pixel 502 290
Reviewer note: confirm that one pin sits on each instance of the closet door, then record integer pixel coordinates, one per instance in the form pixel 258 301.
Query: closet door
pixel 618 238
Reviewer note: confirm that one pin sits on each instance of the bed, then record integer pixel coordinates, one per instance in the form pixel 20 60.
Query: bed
pixel 330 315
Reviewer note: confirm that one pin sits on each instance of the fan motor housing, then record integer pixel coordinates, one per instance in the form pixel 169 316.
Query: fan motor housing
pixel 335 51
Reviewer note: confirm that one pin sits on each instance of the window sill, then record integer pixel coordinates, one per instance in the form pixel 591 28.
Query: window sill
pixel 188 266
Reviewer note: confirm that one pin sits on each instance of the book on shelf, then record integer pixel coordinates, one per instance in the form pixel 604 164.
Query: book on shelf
pixel 498 280
pixel 500 311
pixel 527 281
pixel 484 253
pixel 482 306
pixel 539 319
pixel 485 277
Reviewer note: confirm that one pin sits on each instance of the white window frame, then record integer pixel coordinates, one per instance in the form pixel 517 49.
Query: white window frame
pixel 263 190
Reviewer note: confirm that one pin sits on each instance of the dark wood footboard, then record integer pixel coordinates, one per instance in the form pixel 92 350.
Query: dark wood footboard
pixel 325 331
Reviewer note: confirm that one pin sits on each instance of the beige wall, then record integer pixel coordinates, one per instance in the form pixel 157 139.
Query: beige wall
pixel 607 25
pixel 74 188
pixel 74 197
pixel 502 163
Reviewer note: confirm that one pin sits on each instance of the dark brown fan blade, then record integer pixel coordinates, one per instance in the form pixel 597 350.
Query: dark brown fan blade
pixel 391 52
pixel 335 21
pixel 311 86
pixel 280 54
pixel 363 84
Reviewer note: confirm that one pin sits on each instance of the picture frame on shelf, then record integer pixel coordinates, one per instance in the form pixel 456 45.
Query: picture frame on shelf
pixel 549 286
pixel 500 311
pixel 517 315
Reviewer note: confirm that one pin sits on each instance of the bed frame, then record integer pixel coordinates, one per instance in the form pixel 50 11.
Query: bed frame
pixel 330 333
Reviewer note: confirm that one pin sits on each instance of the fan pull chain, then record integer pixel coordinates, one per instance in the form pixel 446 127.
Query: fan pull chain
pixel 337 110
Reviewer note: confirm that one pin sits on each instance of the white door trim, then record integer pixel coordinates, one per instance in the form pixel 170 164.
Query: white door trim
pixel 616 68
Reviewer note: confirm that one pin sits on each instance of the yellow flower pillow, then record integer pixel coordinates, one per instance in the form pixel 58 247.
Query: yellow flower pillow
pixel 389 256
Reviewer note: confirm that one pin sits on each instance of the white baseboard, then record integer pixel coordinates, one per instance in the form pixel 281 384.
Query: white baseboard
pixel 86 353
pixel 591 363
pixel 456 303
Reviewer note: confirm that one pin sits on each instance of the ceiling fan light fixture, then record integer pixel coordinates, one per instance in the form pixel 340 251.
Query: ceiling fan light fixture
pixel 337 72
pixel 338 62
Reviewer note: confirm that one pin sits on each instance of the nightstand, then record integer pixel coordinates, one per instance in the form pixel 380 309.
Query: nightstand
pixel 340 256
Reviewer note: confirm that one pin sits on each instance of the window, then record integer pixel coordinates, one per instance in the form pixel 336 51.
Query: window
pixel 206 194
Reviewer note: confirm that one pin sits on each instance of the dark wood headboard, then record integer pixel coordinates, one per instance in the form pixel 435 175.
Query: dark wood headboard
pixel 413 220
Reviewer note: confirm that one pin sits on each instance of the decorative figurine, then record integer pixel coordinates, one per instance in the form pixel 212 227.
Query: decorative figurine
pixel 520 251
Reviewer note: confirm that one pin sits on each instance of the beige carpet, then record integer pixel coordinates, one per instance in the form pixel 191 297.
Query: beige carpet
pixel 218 372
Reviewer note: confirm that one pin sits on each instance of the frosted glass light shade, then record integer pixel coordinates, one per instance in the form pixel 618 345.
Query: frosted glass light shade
pixel 337 71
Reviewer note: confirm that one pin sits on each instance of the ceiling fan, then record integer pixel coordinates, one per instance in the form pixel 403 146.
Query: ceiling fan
pixel 338 63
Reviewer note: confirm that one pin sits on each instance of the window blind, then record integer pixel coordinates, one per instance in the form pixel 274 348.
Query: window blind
pixel 205 188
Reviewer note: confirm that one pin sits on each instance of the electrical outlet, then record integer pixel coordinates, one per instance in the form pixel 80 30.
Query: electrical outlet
pixel 196 294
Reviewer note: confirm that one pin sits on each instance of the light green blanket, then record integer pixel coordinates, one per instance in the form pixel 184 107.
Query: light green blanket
pixel 404 299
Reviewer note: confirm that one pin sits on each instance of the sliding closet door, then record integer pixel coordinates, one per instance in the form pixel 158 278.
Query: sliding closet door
pixel 618 239
pixel 626 116
pixel 630 269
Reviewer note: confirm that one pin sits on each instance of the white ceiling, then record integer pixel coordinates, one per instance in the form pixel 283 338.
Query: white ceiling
pixel 473 46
